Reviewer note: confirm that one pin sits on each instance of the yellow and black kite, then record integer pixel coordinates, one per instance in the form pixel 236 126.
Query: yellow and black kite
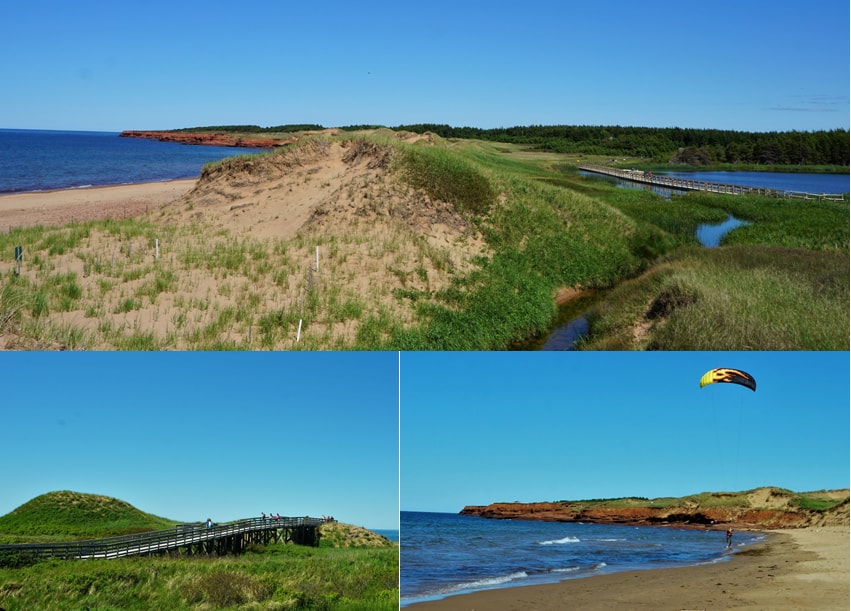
pixel 730 376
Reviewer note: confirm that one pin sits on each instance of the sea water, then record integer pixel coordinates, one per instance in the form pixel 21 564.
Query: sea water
pixel 39 160
pixel 390 534
pixel 444 554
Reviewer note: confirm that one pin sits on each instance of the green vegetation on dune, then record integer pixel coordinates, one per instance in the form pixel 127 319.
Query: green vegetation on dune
pixel 352 568
pixel 65 516
pixel 758 498
pixel 541 238
pixel 734 298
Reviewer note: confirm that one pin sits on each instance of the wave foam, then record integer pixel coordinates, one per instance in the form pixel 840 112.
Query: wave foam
pixel 489 581
pixel 560 541
pixel 568 569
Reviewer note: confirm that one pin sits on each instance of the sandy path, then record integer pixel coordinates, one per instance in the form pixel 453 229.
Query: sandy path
pixel 793 569
pixel 66 205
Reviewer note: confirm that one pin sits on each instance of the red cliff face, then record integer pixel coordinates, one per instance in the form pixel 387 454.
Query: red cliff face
pixel 670 516
pixel 209 139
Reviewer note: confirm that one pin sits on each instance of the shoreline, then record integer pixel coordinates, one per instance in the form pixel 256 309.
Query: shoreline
pixel 805 568
pixel 87 187
pixel 61 206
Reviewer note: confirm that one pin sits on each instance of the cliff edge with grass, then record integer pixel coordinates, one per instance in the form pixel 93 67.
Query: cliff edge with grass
pixel 759 508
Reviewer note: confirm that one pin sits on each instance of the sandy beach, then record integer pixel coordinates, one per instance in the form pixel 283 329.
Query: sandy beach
pixel 792 569
pixel 62 206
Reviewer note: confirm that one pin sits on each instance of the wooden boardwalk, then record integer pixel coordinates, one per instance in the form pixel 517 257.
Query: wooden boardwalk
pixel 188 539
pixel 688 184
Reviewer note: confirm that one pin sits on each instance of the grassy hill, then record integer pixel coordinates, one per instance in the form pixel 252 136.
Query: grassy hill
pixel 353 568
pixel 335 534
pixel 427 243
pixel 65 516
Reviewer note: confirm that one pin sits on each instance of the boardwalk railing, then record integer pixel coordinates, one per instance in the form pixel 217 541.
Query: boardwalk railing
pixel 220 538
pixel 689 184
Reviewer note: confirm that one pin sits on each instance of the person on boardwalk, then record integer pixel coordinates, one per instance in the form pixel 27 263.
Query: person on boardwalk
pixel 729 538
pixel 209 523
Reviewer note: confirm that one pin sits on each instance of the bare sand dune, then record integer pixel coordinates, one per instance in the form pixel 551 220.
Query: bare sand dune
pixel 232 255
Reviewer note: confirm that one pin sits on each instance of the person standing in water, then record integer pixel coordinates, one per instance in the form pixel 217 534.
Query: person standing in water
pixel 729 538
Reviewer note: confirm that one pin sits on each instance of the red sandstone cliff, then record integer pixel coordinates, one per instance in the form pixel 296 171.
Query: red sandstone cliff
pixel 209 139
pixel 766 510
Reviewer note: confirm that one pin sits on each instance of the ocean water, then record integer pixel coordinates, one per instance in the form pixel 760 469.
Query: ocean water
pixel 444 554
pixel 38 160
pixel 393 535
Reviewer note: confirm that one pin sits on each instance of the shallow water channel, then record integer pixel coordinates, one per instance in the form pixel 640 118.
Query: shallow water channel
pixel 710 235
pixel 571 322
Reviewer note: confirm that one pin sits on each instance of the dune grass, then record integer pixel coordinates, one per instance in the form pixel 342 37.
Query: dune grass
pixel 733 298
pixel 819 500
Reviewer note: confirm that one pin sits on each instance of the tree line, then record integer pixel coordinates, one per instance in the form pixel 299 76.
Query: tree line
pixel 680 145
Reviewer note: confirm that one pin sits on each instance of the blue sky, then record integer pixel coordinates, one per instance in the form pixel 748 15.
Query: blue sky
pixel 188 436
pixel 478 428
pixel 733 64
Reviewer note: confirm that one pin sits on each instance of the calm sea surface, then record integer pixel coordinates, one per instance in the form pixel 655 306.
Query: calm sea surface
pixel 393 535
pixel 443 554
pixel 37 160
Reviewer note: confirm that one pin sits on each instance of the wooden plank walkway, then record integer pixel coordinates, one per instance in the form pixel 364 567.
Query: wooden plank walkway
pixel 688 184
pixel 231 537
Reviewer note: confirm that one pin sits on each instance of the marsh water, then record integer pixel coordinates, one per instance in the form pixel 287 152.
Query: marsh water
pixel 571 323
pixel 710 235
pixel 781 181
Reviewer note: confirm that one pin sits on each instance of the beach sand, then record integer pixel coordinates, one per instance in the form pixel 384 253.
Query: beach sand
pixel 793 569
pixel 49 208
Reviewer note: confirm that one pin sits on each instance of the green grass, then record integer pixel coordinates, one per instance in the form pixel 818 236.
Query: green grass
pixel 734 298
pixel 448 176
pixel 72 515
pixel 812 501
pixel 276 577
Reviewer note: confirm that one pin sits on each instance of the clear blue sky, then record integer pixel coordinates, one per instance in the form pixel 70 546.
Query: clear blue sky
pixel 194 435
pixel 481 428
pixel 733 64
